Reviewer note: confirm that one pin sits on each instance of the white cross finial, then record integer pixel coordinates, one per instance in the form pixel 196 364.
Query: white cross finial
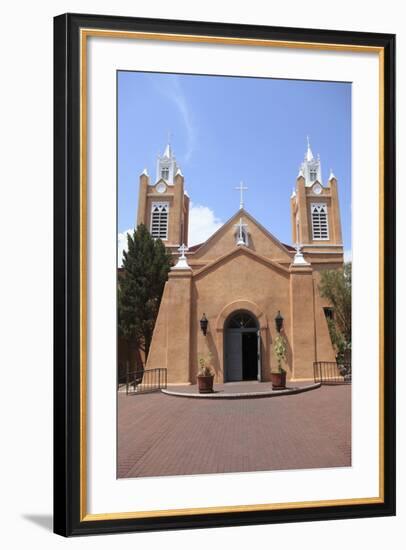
pixel 241 189
pixel 182 260
pixel 182 249
pixel 240 226
pixel 299 258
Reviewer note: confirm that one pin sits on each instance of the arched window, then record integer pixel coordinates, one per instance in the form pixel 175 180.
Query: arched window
pixel 242 319
pixel 159 220
pixel 319 222
pixel 165 173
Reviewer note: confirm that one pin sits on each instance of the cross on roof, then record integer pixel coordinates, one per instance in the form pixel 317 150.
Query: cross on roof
pixel 182 249
pixel 241 189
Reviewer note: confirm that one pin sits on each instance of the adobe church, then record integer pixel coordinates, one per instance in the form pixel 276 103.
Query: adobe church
pixel 240 278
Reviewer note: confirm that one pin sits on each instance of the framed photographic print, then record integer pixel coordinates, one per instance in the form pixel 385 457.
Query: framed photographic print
pixel 224 274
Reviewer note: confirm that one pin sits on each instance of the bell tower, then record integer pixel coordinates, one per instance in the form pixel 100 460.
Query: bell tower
pixel 315 210
pixel 163 204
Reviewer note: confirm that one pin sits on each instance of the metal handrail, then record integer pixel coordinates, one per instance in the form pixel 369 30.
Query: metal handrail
pixel 331 372
pixel 145 380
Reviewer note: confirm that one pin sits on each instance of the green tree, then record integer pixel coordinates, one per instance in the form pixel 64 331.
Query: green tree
pixel 335 285
pixel 145 270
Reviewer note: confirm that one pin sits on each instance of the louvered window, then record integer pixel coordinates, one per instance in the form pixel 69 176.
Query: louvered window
pixel 159 220
pixel 165 173
pixel 319 222
pixel 313 174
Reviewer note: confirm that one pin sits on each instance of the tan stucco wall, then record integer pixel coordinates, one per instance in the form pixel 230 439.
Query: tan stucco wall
pixel 302 322
pixel 241 280
pixel 170 347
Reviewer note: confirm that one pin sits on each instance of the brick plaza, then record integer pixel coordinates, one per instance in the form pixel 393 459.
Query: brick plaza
pixel 161 435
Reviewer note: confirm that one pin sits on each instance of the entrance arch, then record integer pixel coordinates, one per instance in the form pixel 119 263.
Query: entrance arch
pixel 242 349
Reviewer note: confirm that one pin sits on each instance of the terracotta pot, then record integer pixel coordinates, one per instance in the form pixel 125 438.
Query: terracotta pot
pixel 205 383
pixel 278 380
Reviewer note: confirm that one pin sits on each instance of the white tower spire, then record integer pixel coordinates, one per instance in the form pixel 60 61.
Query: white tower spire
pixel 166 167
pixel 311 167
pixel 168 151
pixel 168 148
pixel 309 154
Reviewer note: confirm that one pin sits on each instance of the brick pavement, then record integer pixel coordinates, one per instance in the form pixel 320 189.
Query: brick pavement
pixel 164 435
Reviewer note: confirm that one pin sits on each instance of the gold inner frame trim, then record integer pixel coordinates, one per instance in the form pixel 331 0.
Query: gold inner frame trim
pixel 173 37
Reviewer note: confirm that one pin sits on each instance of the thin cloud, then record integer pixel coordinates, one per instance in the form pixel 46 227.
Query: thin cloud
pixel 348 255
pixel 172 90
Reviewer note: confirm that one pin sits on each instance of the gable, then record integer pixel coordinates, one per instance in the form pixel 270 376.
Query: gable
pixel 242 257
pixel 224 241
pixel 242 275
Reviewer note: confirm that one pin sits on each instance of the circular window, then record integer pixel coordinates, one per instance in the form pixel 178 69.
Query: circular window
pixel 161 187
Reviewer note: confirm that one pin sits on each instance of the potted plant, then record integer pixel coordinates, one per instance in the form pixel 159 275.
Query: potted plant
pixel 278 377
pixel 205 376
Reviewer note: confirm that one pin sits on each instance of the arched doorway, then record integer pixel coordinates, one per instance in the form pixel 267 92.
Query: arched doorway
pixel 242 348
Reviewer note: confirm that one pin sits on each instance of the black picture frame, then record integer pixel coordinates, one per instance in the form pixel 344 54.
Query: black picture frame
pixel 68 519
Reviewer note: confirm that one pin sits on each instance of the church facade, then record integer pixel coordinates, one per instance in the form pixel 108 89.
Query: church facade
pixel 241 279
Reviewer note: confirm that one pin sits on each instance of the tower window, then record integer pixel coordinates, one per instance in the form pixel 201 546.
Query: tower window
pixel 313 174
pixel 159 220
pixel 165 173
pixel 319 222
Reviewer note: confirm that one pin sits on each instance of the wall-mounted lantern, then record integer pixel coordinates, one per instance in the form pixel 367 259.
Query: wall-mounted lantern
pixel 203 324
pixel 279 321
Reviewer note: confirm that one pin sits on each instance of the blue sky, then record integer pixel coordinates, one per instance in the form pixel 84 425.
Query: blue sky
pixel 230 129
